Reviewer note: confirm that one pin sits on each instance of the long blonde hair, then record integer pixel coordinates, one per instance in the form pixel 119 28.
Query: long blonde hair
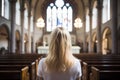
pixel 60 57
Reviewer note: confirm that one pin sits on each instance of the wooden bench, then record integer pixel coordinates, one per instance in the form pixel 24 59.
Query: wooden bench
pixel 87 66
pixel 105 73
pixel 14 72
pixel 30 64
pixel 23 57
pixel 93 57
pixel 87 61
pixel 31 60
pixel 96 59
pixel 30 55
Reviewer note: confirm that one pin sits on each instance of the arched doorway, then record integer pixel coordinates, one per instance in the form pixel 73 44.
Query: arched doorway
pixel 106 41
pixel 94 43
pixel 17 41
pixel 4 39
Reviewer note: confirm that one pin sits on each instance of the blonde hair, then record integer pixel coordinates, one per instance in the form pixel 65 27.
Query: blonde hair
pixel 60 57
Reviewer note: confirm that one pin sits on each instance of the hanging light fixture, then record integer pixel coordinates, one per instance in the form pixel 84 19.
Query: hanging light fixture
pixel 40 23
pixel 78 23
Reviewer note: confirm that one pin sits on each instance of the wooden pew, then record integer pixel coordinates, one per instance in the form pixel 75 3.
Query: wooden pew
pixel 23 57
pixel 34 58
pixel 93 57
pixel 30 64
pixel 85 58
pixel 14 72
pixel 30 55
pixel 105 73
pixel 87 66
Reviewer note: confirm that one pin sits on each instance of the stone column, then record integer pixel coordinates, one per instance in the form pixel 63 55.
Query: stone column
pixel 34 45
pixel 99 23
pixel 22 8
pixel 29 31
pixel 114 26
pixel 84 39
pixel 9 45
pixel 90 32
pixel 12 19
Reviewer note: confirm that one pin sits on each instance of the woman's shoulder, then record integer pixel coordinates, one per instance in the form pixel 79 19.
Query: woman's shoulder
pixel 42 60
pixel 77 61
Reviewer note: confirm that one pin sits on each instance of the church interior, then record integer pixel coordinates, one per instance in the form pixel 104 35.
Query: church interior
pixel 25 27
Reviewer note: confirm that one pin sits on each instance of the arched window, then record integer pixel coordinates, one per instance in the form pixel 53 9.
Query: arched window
pixel 94 22
pixel 59 14
pixel 18 13
pixel 5 9
pixel 106 11
pixel 26 19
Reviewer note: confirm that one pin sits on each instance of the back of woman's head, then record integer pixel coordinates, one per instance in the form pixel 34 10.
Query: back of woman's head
pixel 59 50
pixel 60 41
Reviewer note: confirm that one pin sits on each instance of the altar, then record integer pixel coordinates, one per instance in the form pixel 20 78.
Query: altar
pixel 44 49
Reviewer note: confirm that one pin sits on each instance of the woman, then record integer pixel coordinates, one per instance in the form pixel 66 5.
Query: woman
pixel 59 64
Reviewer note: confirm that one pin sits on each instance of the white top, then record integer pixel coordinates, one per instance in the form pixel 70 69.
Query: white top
pixel 73 73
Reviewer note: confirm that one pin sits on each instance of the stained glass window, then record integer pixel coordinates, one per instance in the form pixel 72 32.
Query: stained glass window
pixel 59 14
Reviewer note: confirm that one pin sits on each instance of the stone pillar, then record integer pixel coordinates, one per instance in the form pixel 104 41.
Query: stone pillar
pixel 34 45
pixel 12 19
pixel 84 39
pixel 8 38
pixel 114 26
pixel 90 32
pixel 29 31
pixel 99 23
pixel 22 8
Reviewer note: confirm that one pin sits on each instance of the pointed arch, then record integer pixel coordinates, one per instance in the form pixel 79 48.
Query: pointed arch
pixel 106 41
pixel 5 37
